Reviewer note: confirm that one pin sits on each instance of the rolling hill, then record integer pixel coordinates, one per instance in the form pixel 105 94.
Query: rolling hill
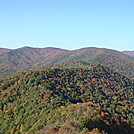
pixel 67 100
pixel 27 57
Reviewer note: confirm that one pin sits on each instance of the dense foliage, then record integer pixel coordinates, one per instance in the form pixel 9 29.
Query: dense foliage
pixel 26 57
pixel 83 118
pixel 91 99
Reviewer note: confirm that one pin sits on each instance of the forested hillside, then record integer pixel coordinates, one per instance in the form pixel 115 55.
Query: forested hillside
pixel 4 50
pixel 67 100
pixel 27 57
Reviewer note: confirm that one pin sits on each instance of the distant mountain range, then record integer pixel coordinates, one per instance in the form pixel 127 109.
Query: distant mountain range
pixel 130 53
pixel 27 57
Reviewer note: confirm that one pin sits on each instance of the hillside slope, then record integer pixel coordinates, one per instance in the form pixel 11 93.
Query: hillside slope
pixel 30 100
pixel 32 57
pixel 4 50
pixel 28 57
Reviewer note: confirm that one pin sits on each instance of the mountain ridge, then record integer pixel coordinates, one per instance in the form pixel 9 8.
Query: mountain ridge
pixel 130 53
pixel 27 57
pixel 66 49
pixel 4 50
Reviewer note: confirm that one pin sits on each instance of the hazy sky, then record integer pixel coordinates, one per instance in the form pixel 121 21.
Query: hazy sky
pixel 68 24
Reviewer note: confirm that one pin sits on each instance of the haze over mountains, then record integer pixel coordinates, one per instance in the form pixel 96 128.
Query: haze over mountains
pixel 130 53
pixel 32 57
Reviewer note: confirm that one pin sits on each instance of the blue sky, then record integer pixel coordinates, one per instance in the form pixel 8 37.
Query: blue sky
pixel 68 24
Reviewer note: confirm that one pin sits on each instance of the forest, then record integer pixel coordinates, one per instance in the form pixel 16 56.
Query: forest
pixel 70 100
pixel 21 59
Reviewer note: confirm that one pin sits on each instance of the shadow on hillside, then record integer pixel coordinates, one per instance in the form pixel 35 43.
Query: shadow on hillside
pixel 112 128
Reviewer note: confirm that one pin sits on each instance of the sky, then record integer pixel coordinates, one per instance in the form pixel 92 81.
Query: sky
pixel 67 24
